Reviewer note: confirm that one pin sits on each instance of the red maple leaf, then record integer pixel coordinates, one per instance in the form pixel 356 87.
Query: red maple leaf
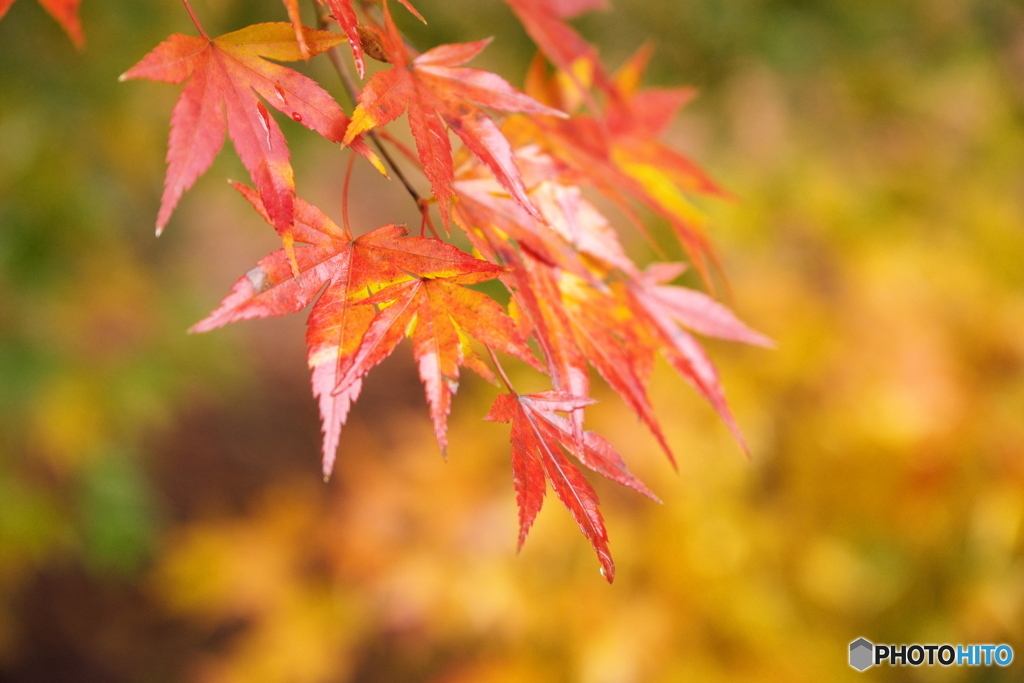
pixel 544 20
pixel 538 438
pixel 570 226
pixel 559 283
pixel 439 94
pixel 588 326
pixel 662 311
pixel 224 76
pixel 347 270
pixel 64 11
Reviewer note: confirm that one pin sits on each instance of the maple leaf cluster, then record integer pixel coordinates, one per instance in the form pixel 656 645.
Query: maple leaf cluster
pixel 577 301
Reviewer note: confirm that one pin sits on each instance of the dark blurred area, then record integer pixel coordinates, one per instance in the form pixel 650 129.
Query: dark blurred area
pixel 162 516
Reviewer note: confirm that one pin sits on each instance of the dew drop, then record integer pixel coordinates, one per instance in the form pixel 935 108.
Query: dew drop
pixel 258 280
pixel 280 94
pixel 297 116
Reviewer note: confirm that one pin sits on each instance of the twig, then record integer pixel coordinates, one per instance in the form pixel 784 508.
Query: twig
pixel 352 89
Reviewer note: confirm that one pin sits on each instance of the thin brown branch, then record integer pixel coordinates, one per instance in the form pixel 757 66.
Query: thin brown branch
pixel 352 88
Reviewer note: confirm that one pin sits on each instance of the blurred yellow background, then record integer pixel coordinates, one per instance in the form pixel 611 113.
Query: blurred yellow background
pixel 162 516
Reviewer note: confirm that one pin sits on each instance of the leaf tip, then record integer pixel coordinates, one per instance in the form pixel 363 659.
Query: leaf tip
pixel 762 340
pixel 413 10
pixel 745 449
pixel 379 165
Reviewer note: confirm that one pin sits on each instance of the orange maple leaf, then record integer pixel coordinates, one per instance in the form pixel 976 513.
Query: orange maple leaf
pixel 347 271
pixel 544 20
pixel 438 313
pixel 618 150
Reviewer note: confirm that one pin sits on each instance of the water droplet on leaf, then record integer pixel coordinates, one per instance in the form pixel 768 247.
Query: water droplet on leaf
pixel 258 280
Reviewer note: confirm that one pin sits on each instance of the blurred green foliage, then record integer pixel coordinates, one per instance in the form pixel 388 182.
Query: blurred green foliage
pixel 160 512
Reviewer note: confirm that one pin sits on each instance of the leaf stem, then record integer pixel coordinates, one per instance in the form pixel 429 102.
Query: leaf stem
pixel 501 371
pixel 344 195
pixel 427 223
pixel 195 20
pixel 420 202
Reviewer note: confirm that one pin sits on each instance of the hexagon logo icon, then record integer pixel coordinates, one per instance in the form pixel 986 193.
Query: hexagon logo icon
pixel 861 654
